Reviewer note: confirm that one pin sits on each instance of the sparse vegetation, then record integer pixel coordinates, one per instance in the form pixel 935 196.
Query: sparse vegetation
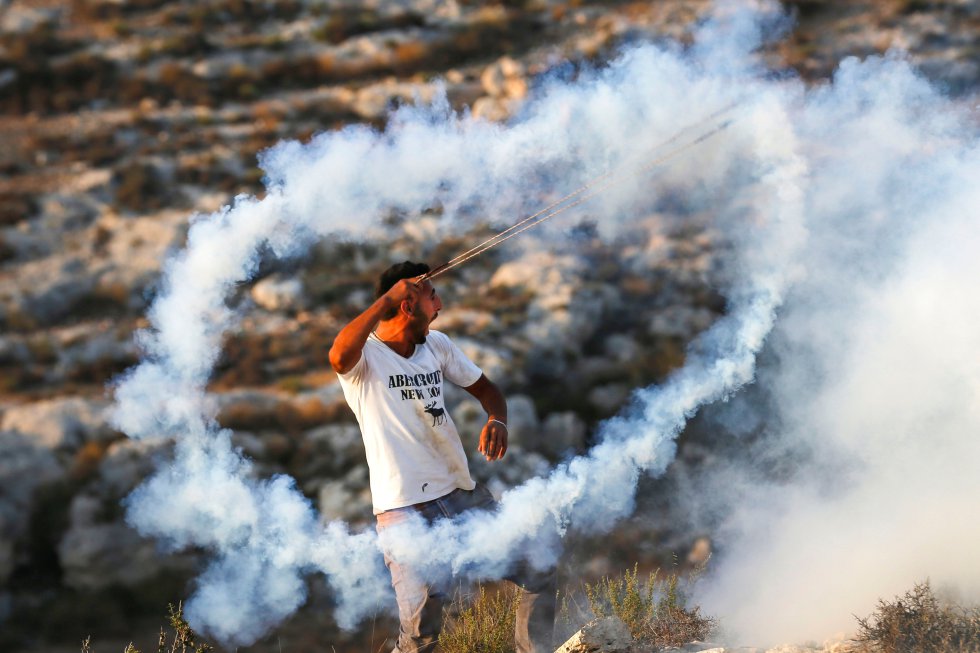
pixel 484 626
pixel 182 640
pixel 920 622
pixel 654 611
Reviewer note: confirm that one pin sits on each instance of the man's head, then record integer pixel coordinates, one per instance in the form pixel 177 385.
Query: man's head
pixel 416 317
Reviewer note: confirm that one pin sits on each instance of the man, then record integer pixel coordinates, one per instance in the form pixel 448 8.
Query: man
pixel 391 368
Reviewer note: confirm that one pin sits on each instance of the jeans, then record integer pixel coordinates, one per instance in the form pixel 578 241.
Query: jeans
pixel 420 601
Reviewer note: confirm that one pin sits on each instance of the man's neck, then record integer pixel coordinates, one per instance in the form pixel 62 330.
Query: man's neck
pixel 398 339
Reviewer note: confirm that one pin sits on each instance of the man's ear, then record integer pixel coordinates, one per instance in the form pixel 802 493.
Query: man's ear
pixel 408 307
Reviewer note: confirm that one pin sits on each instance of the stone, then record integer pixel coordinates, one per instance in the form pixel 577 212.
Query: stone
pixel 517 466
pixel 495 362
pixel 127 463
pixel 681 321
pixel 60 423
pixel 504 78
pixel 562 433
pixel 347 499
pixel 247 409
pixel 523 426
pixel 606 635
pixel 609 398
pixel 51 287
pixel 492 108
pixel 279 293
pixel 329 450
pixel 96 556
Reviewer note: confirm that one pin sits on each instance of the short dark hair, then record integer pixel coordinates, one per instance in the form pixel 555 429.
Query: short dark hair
pixel 397 272
pixel 394 274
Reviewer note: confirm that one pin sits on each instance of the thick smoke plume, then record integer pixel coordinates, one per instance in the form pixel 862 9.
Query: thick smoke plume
pixel 803 184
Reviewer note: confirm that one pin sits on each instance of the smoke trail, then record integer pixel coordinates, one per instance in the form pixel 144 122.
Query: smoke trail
pixel 757 173
pixel 868 404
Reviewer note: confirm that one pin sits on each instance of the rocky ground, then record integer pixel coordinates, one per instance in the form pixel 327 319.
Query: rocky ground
pixel 119 119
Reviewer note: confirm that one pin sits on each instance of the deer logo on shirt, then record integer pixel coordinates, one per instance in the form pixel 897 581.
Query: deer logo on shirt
pixel 438 414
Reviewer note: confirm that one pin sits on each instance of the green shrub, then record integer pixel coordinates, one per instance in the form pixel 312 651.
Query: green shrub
pixel 919 622
pixel 655 611
pixel 484 626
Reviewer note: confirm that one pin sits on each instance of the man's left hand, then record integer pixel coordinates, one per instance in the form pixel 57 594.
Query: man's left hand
pixel 493 440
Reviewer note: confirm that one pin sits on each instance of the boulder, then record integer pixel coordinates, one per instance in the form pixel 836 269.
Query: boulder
pixel 504 78
pixel 606 635
pixel 51 287
pixel 330 450
pixel 60 423
pixel 495 362
pixel 280 293
pixel 347 499
pixel 248 409
pixel 561 433
pixel 680 321
pixel 127 463
pixel 494 109
pixel 517 466
pixel 96 556
pixel 610 397
pixel 523 426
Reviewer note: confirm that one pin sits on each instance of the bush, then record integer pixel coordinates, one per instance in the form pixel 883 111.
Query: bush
pixel 184 640
pixel 920 623
pixel 485 626
pixel 654 612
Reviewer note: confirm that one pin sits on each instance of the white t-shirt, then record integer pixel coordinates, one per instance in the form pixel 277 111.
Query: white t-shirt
pixel 413 449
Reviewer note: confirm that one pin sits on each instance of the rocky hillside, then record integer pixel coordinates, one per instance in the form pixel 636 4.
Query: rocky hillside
pixel 121 118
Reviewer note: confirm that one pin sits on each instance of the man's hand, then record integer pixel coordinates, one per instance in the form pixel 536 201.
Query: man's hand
pixel 406 290
pixel 493 440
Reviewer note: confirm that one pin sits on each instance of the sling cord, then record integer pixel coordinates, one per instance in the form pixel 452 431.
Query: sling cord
pixel 599 184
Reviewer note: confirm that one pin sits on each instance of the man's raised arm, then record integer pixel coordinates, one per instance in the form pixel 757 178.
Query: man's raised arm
pixel 347 346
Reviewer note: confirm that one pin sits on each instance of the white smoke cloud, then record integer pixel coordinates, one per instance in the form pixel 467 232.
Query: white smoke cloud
pixel 871 394
pixel 791 162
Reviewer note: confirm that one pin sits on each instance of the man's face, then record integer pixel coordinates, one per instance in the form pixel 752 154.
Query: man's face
pixel 426 311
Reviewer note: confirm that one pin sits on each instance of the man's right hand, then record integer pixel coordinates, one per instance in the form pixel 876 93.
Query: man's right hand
pixel 405 290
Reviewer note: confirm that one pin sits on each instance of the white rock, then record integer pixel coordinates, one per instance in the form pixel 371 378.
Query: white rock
pixel 60 423
pixel 19 19
pixel 495 363
pixel 607 635
pixel 492 80
pixel 494 109
pixel 279 293
pixel 503 77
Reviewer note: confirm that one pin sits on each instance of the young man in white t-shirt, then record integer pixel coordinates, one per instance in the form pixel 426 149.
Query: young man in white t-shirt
pixel 391 368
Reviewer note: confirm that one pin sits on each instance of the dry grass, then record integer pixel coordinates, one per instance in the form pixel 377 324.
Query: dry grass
pixel 484 626
pixel 919 622
pixel 655 611
pixel 182 640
